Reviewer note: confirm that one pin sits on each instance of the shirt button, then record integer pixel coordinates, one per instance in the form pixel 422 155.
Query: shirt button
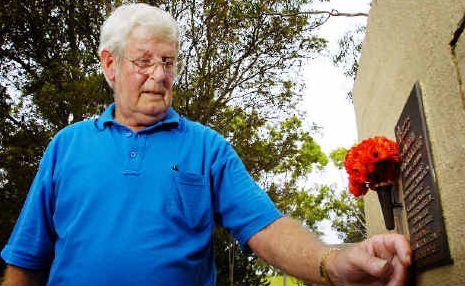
pixel 128 134
pixel 133 154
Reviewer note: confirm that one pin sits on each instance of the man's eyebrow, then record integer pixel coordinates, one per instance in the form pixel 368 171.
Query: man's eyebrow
pixel 146 53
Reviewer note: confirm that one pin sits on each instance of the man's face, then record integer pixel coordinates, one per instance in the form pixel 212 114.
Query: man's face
pixel 143 98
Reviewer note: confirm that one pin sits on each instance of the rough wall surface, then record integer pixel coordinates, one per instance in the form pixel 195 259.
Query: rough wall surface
pixel 409 41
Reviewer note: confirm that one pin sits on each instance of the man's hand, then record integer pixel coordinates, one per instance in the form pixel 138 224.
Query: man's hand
pixel 380 260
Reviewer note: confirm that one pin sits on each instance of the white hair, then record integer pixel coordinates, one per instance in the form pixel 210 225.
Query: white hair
pixel 124 19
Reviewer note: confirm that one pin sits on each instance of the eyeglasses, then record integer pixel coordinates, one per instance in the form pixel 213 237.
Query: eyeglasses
pixel 148 67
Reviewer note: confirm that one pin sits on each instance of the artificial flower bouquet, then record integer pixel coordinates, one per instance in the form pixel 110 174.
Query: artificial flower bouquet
pixel 374 164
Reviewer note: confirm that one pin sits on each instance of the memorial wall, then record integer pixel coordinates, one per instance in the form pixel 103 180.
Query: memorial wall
pixel 411 88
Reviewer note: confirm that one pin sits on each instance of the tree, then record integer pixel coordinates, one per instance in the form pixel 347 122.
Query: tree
pixel 348 217
pixel 241 63
pixel 48 62
pixel 350 49
pixel 338 156
pixel 346 211
pixel 348 55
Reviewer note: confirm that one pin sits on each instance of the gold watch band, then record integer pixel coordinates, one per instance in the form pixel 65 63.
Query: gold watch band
pixel 323 272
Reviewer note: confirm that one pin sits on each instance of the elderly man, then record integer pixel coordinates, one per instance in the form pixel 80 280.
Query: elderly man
pixel 131 198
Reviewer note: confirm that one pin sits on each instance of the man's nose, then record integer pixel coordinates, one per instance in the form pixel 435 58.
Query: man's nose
pixel 157 72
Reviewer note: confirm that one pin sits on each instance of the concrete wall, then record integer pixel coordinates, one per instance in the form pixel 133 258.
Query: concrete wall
pixel 409 41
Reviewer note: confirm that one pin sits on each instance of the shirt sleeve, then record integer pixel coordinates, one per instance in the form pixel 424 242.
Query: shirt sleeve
pixel 241 206
pixel 30 245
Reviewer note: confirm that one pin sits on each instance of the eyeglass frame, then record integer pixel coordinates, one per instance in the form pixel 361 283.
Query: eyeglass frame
pixel 153 65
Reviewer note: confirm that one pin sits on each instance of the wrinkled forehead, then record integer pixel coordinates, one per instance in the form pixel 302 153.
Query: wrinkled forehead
pixel 145 40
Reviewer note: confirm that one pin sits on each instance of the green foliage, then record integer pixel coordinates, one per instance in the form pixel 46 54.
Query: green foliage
pixel 307 206
pixel 346 212
pixel 348 216
pixel 238 55
pixel 235 265
pixel 348 55
pixel 278 280
pixel 350 48
pixel 239 79
pixel 338 156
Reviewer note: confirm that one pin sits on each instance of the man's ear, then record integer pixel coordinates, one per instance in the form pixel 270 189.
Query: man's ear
pixel 108 61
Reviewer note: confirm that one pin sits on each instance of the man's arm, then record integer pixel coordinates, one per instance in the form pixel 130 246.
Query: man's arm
pixel 16 276
pixel 288 246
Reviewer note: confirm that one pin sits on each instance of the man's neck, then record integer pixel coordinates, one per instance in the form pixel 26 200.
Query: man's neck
pixel 138 122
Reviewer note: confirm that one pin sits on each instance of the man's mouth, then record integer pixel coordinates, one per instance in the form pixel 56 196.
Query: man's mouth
pixel 154 93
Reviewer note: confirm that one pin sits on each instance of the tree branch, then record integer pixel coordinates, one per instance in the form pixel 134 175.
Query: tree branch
pixel 332 13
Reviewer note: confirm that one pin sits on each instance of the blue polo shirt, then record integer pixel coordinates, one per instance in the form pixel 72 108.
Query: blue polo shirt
pixel 110 206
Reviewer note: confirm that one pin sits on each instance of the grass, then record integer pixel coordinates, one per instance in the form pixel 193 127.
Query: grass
pixel 278 281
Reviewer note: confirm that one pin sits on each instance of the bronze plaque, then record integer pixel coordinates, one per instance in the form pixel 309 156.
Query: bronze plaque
pixel 421 198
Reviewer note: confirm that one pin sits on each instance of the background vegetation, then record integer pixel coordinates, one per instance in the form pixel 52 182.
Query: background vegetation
pixel 241 59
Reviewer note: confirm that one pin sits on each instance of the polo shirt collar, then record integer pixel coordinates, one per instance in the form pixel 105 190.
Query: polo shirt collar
pixel 107 117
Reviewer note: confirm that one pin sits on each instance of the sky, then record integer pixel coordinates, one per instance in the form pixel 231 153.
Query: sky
pixel 325 97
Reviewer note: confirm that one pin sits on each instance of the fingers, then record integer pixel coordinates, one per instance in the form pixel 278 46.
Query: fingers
pixel 381 260
pixel 374 266
pixel 380 249
pixel 397 245
pixel 395 248
pixel 399 275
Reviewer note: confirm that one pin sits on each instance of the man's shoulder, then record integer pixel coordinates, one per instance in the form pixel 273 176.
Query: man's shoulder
pixel 198 129
pixel 80 128
pixel 73 134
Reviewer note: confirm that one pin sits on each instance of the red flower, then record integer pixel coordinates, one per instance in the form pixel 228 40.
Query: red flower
pixel 373 161
pixel 357 189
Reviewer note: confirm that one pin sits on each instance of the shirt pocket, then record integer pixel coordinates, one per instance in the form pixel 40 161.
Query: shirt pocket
pixel 193 198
